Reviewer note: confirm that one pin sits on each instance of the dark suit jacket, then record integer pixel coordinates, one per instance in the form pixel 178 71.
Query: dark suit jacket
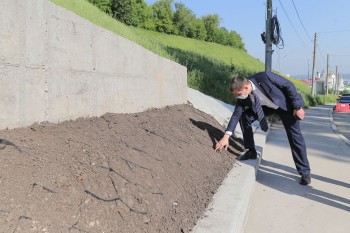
pixel 278 89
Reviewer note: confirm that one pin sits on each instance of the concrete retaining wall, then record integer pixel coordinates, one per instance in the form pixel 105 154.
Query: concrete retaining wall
pixel 56 66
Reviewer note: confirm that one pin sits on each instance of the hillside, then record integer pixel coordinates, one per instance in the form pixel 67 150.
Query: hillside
pixel 209 65
pixel 158 41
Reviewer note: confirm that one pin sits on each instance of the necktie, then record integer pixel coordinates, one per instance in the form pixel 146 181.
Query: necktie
pixel 259 112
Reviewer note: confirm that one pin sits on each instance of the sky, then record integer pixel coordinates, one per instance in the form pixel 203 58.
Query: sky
pixel 299 21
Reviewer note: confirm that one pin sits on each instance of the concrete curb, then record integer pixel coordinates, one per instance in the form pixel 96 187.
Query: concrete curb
pixel 334 128
pixel 228 210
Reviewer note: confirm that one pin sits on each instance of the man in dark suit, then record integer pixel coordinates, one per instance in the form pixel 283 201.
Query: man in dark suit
pixel 263 94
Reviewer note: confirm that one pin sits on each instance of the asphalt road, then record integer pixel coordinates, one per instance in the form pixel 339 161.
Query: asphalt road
pixel 342 122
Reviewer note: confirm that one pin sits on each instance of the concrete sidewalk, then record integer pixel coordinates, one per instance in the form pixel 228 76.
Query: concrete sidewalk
pixel 280 204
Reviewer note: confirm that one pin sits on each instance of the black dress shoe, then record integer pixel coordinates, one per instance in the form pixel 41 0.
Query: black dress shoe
pixel 248 155
pixel 305 179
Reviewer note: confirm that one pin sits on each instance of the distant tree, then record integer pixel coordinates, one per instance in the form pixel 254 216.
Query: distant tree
pixel 160 17
pixel 183 20
pixel 142 15
pixel 235 40
pixel 211 23
pixel 148 19
pixel 104 5
pixel 138 12
pixel 221 36
pixel 198 30
pixel 122 11
pixel 163 16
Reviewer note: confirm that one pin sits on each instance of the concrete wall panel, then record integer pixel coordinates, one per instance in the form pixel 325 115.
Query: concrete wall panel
pixel 109 52
pixel 70 95
pixel 10 46
pixel 56 66
pixel 21 96
pixel 35 33
pixel 70 45
pixel 9 96
pixel 32 96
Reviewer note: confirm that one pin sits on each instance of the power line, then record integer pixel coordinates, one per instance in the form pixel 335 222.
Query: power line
pixel 319 50
pixel 345 30
pixel 321 54
pixel 323 59
pixel 341 55
pixel 301 21
pixel 278 60
pixel 296 32
pixel 318 47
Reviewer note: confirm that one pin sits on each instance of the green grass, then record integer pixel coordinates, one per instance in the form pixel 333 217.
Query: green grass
pixel 209 65
pixel 225 54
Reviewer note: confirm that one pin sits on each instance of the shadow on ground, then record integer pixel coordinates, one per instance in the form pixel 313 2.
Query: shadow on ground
pixel 283 178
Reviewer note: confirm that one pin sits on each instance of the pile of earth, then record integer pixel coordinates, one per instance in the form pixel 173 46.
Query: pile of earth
pixel 154 171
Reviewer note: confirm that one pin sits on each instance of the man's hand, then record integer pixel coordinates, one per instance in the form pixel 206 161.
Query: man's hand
pixel 300 114
pixel 223 143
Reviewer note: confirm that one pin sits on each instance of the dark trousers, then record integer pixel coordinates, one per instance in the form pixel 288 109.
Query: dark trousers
pixel 292 127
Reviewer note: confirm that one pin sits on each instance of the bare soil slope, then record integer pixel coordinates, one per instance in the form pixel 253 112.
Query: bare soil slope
pixel 154 171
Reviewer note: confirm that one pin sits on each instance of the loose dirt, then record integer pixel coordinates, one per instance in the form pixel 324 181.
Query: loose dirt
pixel 154 171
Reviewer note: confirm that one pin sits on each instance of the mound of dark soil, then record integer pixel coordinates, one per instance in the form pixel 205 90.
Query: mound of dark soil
pixel 154 171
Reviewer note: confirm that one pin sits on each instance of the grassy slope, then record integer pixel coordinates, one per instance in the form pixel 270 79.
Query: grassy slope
pixel 209 65
pixel 150 39
pixel 218 52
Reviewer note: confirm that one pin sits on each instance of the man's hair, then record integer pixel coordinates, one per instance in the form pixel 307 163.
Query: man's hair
pixel 238 83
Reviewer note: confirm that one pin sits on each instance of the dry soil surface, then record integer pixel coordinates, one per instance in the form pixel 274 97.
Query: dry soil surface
pixel 154 171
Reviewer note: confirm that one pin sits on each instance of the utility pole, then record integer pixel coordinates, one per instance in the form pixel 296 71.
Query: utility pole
pixel 336 81
pixel 268 46
pixel 327 73
pixel 313 88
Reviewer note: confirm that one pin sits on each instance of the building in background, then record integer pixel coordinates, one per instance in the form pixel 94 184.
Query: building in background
pixel 335 85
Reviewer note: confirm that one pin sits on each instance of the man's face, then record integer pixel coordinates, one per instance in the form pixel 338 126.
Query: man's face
pixel 245 90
